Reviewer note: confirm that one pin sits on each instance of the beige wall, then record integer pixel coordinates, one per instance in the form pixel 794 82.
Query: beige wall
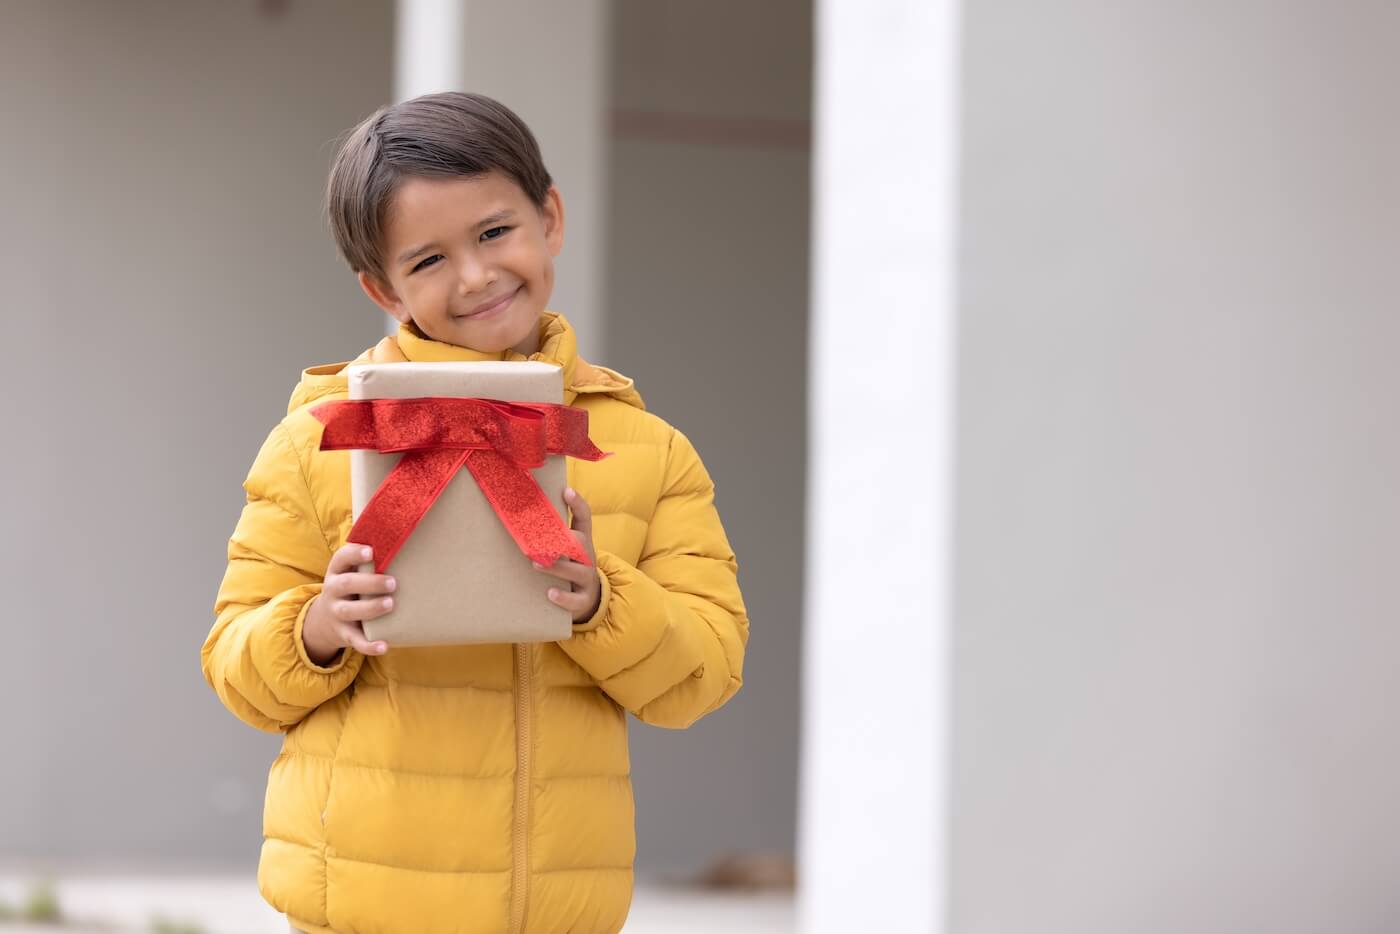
pixel 166 276
pixel 707 311
pixel 1176 636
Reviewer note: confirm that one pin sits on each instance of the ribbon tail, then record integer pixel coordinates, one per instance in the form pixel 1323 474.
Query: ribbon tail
pixel 402 500
pixel 524 510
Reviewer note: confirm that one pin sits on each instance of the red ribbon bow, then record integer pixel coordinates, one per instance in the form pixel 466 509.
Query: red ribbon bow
pixel 499 442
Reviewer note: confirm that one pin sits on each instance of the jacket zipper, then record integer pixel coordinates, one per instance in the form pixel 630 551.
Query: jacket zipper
pixel 520 872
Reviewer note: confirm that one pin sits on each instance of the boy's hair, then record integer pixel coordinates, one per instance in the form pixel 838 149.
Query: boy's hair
pixel 447 135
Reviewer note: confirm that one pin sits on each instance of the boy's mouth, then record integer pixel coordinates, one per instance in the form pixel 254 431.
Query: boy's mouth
pixel 491 306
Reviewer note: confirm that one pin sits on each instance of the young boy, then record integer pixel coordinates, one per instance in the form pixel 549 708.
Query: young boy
pixel 473 788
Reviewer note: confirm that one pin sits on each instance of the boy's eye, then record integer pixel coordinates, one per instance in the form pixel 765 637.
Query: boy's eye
pixel 425 263
pixel 494 233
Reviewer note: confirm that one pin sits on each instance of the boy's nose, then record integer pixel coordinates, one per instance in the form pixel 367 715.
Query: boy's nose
pixel 473 277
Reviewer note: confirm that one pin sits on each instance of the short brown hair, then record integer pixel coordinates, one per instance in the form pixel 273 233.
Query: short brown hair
pixel 454 134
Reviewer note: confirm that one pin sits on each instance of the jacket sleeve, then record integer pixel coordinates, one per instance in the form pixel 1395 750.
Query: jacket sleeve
pixel 668 640
pixel 254 657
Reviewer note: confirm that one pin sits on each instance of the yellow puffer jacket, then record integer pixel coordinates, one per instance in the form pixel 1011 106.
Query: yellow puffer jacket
pixel 473 788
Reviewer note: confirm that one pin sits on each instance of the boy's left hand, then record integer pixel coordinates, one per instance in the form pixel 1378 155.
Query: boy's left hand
pixel 582 597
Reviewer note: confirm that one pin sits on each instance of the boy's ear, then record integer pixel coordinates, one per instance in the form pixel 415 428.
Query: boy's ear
pixel 553 213
pixel 384 296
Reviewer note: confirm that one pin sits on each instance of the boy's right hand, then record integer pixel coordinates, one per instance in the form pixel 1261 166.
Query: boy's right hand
pixel 348 598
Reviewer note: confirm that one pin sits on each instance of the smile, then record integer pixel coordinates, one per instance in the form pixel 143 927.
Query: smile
pixel 494 308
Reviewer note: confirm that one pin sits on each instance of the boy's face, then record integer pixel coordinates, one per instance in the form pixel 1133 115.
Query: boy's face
pixel 470 261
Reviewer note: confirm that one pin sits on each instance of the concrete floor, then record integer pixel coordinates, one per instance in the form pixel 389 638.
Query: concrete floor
pixel 231 905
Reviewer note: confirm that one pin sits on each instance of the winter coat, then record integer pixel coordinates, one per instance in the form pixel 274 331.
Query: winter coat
pixel 480 788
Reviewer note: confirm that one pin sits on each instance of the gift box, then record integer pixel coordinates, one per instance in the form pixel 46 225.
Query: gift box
pixel 457 475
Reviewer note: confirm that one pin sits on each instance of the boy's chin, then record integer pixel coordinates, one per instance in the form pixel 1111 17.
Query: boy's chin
pixel 483 337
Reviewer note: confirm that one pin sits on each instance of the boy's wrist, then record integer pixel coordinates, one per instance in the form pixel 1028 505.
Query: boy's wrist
pixel 321 650
pixel 600 612
pixel 592 611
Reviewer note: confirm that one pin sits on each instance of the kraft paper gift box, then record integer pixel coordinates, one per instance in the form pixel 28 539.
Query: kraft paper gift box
pixel 462 578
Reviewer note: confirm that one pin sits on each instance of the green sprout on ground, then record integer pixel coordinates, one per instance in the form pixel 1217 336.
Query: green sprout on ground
pixel 42 905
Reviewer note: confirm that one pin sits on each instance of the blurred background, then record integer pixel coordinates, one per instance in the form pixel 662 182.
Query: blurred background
pixel 1158 243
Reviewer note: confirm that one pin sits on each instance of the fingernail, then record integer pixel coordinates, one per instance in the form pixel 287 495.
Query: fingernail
pixel 553 594
pixel 381 648
pixel 537 565
pixel 391 584
pixel 569 492
pixel 388 603
pixel 366 553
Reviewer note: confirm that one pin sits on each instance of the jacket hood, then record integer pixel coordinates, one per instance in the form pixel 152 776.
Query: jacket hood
pixel 558 345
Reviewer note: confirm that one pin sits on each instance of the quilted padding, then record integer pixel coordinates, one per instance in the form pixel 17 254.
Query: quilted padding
pixel 473 788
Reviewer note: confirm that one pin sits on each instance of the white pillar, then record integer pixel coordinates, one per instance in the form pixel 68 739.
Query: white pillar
pixel 428 47
pixel 876 677
pixel 560 89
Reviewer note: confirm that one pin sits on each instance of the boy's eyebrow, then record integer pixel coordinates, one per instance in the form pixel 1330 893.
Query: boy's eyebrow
pixel 496 218
pixel 501 215
pixel 408 254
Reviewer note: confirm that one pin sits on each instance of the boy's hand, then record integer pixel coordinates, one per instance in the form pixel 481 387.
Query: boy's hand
pixel 582 597
pixel 347 599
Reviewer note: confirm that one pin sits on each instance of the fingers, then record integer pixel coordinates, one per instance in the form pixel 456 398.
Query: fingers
pixel 348 557
pixel 348 617
pixel 567 570
pixel 357 611
pixel 575 601
pixel 330 626
pixel 351 597
pixel 583 513
pixel 352 635
pixel 351 584
pixel 581 598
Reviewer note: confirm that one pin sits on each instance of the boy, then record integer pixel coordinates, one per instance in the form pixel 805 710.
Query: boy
pixel 477 788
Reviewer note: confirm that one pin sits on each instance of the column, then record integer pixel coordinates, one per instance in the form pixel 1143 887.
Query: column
pixel 873 823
